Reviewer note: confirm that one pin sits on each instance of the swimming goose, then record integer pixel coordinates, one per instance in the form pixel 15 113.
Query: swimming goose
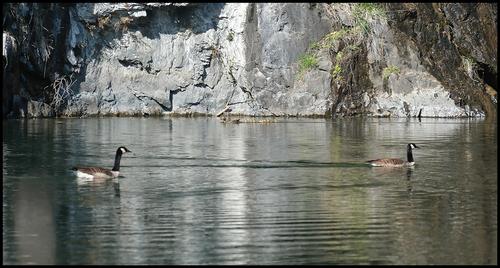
pixel 99 172
pixel 395 162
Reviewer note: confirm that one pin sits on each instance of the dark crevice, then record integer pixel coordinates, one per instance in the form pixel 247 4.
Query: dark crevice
pixel 487 74
pixel 245 90
pixel 201 85
pixel 133 63
pixel 171 94
pixel 256 105
pixel 138 64
pixel 141 97
pixel 195 103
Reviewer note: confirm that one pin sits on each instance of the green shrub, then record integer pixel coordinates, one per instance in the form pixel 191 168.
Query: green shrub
pixel 315 45
pixel 390 70
pixel 352 48
pixel 363 11
pixel 336 35
pixel 371 9
pixel 339 56
pixel 363 24
pixel 328 39
pixel 336 70
pixel 307 62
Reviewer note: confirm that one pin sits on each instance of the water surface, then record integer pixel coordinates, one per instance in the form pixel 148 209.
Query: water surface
pixel 297 191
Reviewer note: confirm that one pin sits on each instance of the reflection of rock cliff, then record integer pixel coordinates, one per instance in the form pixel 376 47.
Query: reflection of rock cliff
pixel 260 59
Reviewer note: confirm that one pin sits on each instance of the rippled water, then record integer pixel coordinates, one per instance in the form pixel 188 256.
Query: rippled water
pixel 197 191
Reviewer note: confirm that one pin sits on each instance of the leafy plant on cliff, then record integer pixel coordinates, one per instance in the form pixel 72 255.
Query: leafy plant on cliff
pixel 327 41
pixel 372 9
pixel 352 48
pixel 390 70
pixel 348 36
pixel 364 11
pixel 336 72
pixel 307 62
pixel 339 56
pixel 330 37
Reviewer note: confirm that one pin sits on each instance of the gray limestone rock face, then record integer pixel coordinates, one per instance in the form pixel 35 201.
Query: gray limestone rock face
pixel 261 59
pixel 200 58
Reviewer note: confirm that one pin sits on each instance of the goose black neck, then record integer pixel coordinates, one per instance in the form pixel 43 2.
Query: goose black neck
pixel 118 157
pixel 409 154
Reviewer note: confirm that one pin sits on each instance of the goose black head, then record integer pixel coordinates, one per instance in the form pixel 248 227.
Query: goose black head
pixel 413 146
pixel 123 149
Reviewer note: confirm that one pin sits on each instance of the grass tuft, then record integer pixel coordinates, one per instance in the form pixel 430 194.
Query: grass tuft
pixel 390 70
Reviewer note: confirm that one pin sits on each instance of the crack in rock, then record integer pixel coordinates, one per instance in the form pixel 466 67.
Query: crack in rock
pixel 139 65
pixel 141 97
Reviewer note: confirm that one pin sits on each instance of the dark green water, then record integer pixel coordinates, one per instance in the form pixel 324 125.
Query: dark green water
pixel 196 191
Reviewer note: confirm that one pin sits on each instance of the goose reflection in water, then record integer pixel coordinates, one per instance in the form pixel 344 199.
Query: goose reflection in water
pixel 85 183
pixel 406 173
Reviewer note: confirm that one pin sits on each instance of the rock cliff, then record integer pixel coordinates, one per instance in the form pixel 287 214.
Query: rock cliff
pixel 260 59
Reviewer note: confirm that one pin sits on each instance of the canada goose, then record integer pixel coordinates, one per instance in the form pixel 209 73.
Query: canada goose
pixel 99 172
pixel 395 162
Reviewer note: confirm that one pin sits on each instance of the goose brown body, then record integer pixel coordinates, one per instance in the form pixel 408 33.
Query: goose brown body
pixel 100 172
pixel 395 162
pixel 95 172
